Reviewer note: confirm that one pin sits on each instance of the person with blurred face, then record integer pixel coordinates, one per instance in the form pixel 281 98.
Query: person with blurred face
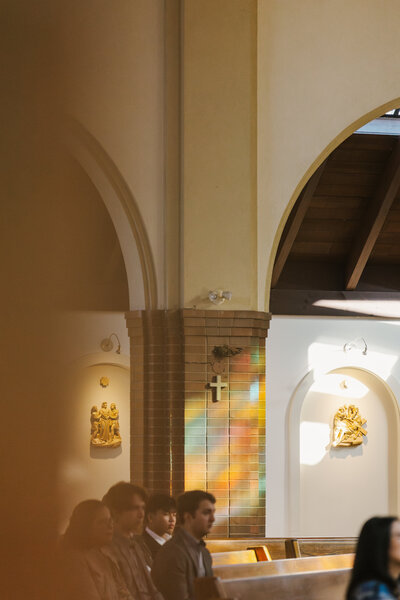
pixel 185 557
pixel 88 569
pixel 160 522
pixel 127 503
pixel 376 570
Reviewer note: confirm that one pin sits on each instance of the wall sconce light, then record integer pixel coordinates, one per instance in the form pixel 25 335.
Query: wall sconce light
pixel 107 344
pixel 219 296
pixel 357 344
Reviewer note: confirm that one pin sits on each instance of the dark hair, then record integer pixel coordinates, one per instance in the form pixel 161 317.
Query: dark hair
pixel 160 502
pixel 189 502
pixel 119 496
pixel 372 554
pixel 78 533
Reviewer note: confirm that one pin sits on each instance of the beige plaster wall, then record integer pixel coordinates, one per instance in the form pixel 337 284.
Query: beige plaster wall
pixel 219 150
pixel 324 67
pixel 114 86
pixel 91 274
pixel 268 89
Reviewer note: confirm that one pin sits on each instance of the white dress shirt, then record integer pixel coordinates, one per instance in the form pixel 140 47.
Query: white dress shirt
pixel 160 540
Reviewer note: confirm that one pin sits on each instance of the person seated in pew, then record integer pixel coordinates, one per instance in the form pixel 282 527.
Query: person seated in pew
pixel 185 557
pixel 160 522
pixel 127 504
pixel 377 562
pixel 87 567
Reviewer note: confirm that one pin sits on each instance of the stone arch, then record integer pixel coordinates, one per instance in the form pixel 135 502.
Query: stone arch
pixel 124 213
pixel 389 388
pixel 344 134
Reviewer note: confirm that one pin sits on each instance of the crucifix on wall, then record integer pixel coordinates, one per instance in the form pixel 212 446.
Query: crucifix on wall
pixel 216 387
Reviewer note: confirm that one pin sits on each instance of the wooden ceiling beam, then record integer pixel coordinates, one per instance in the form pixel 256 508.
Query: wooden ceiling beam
pixel 294 223
pixel 374 220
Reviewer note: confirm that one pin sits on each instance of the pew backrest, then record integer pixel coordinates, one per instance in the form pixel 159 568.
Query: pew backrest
pixel 284 567
pixel 280 548
pixel 300 547
pixel 275 546
pixel 234 558
pixel 317 585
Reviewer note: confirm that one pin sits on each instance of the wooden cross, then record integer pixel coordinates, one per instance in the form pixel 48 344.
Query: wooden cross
pixel 218 385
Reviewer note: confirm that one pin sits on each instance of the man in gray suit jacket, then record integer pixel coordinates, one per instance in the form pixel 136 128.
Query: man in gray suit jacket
pixel 185 556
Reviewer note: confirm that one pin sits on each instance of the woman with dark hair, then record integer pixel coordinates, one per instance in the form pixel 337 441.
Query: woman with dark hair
pixel 88 570
pixel 377 562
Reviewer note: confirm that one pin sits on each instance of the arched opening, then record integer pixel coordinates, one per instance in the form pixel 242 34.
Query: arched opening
pixel 341 236
pixel 355 482
pixel 124 213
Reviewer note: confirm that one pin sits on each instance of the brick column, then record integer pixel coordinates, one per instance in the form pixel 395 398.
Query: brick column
pixel 157 400
pixel 180 437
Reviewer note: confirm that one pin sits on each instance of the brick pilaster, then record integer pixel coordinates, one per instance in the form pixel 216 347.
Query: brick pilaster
pixel 157 400
pixel 180 438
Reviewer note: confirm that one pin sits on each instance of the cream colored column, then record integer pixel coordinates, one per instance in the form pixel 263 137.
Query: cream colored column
pixel 220 151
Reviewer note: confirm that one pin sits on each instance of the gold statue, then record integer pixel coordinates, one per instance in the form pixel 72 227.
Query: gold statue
pixel 348 427
pixel 105 426
pixel 114 422
pixel 95 423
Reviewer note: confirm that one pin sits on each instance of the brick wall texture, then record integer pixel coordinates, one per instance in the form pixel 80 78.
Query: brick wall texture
pixel 180 438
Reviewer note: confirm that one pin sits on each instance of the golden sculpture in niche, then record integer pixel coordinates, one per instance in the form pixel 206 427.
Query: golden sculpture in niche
pixel 348 427
pixel 105 426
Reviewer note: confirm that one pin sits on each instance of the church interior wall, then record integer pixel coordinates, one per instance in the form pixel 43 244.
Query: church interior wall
pixel 219 145
pixel 269 89
pixel 113 85
pixel 243 162
pixel 313 347
pixel 290 107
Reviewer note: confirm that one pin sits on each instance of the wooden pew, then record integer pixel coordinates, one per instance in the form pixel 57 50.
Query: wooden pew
pixel 284 567
pixel 317 585
pixel 300 547
pixel 275 546
pixel 280 548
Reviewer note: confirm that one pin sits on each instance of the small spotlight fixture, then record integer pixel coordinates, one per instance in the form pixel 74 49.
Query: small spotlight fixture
pixel 219 296
pixel 107 344
pixel 357 344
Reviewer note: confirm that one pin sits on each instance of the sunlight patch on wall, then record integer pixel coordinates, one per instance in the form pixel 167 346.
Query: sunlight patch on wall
pixel 314 441
pixel 340 385
pixel 377 308
pixel 323 357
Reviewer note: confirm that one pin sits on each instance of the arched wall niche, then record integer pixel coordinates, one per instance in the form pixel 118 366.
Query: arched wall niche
pixel 344 134
pixel 123 211
pixel 350 491
pixel 84 471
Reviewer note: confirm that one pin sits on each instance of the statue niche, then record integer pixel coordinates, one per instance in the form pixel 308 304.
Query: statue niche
pixel 105 431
